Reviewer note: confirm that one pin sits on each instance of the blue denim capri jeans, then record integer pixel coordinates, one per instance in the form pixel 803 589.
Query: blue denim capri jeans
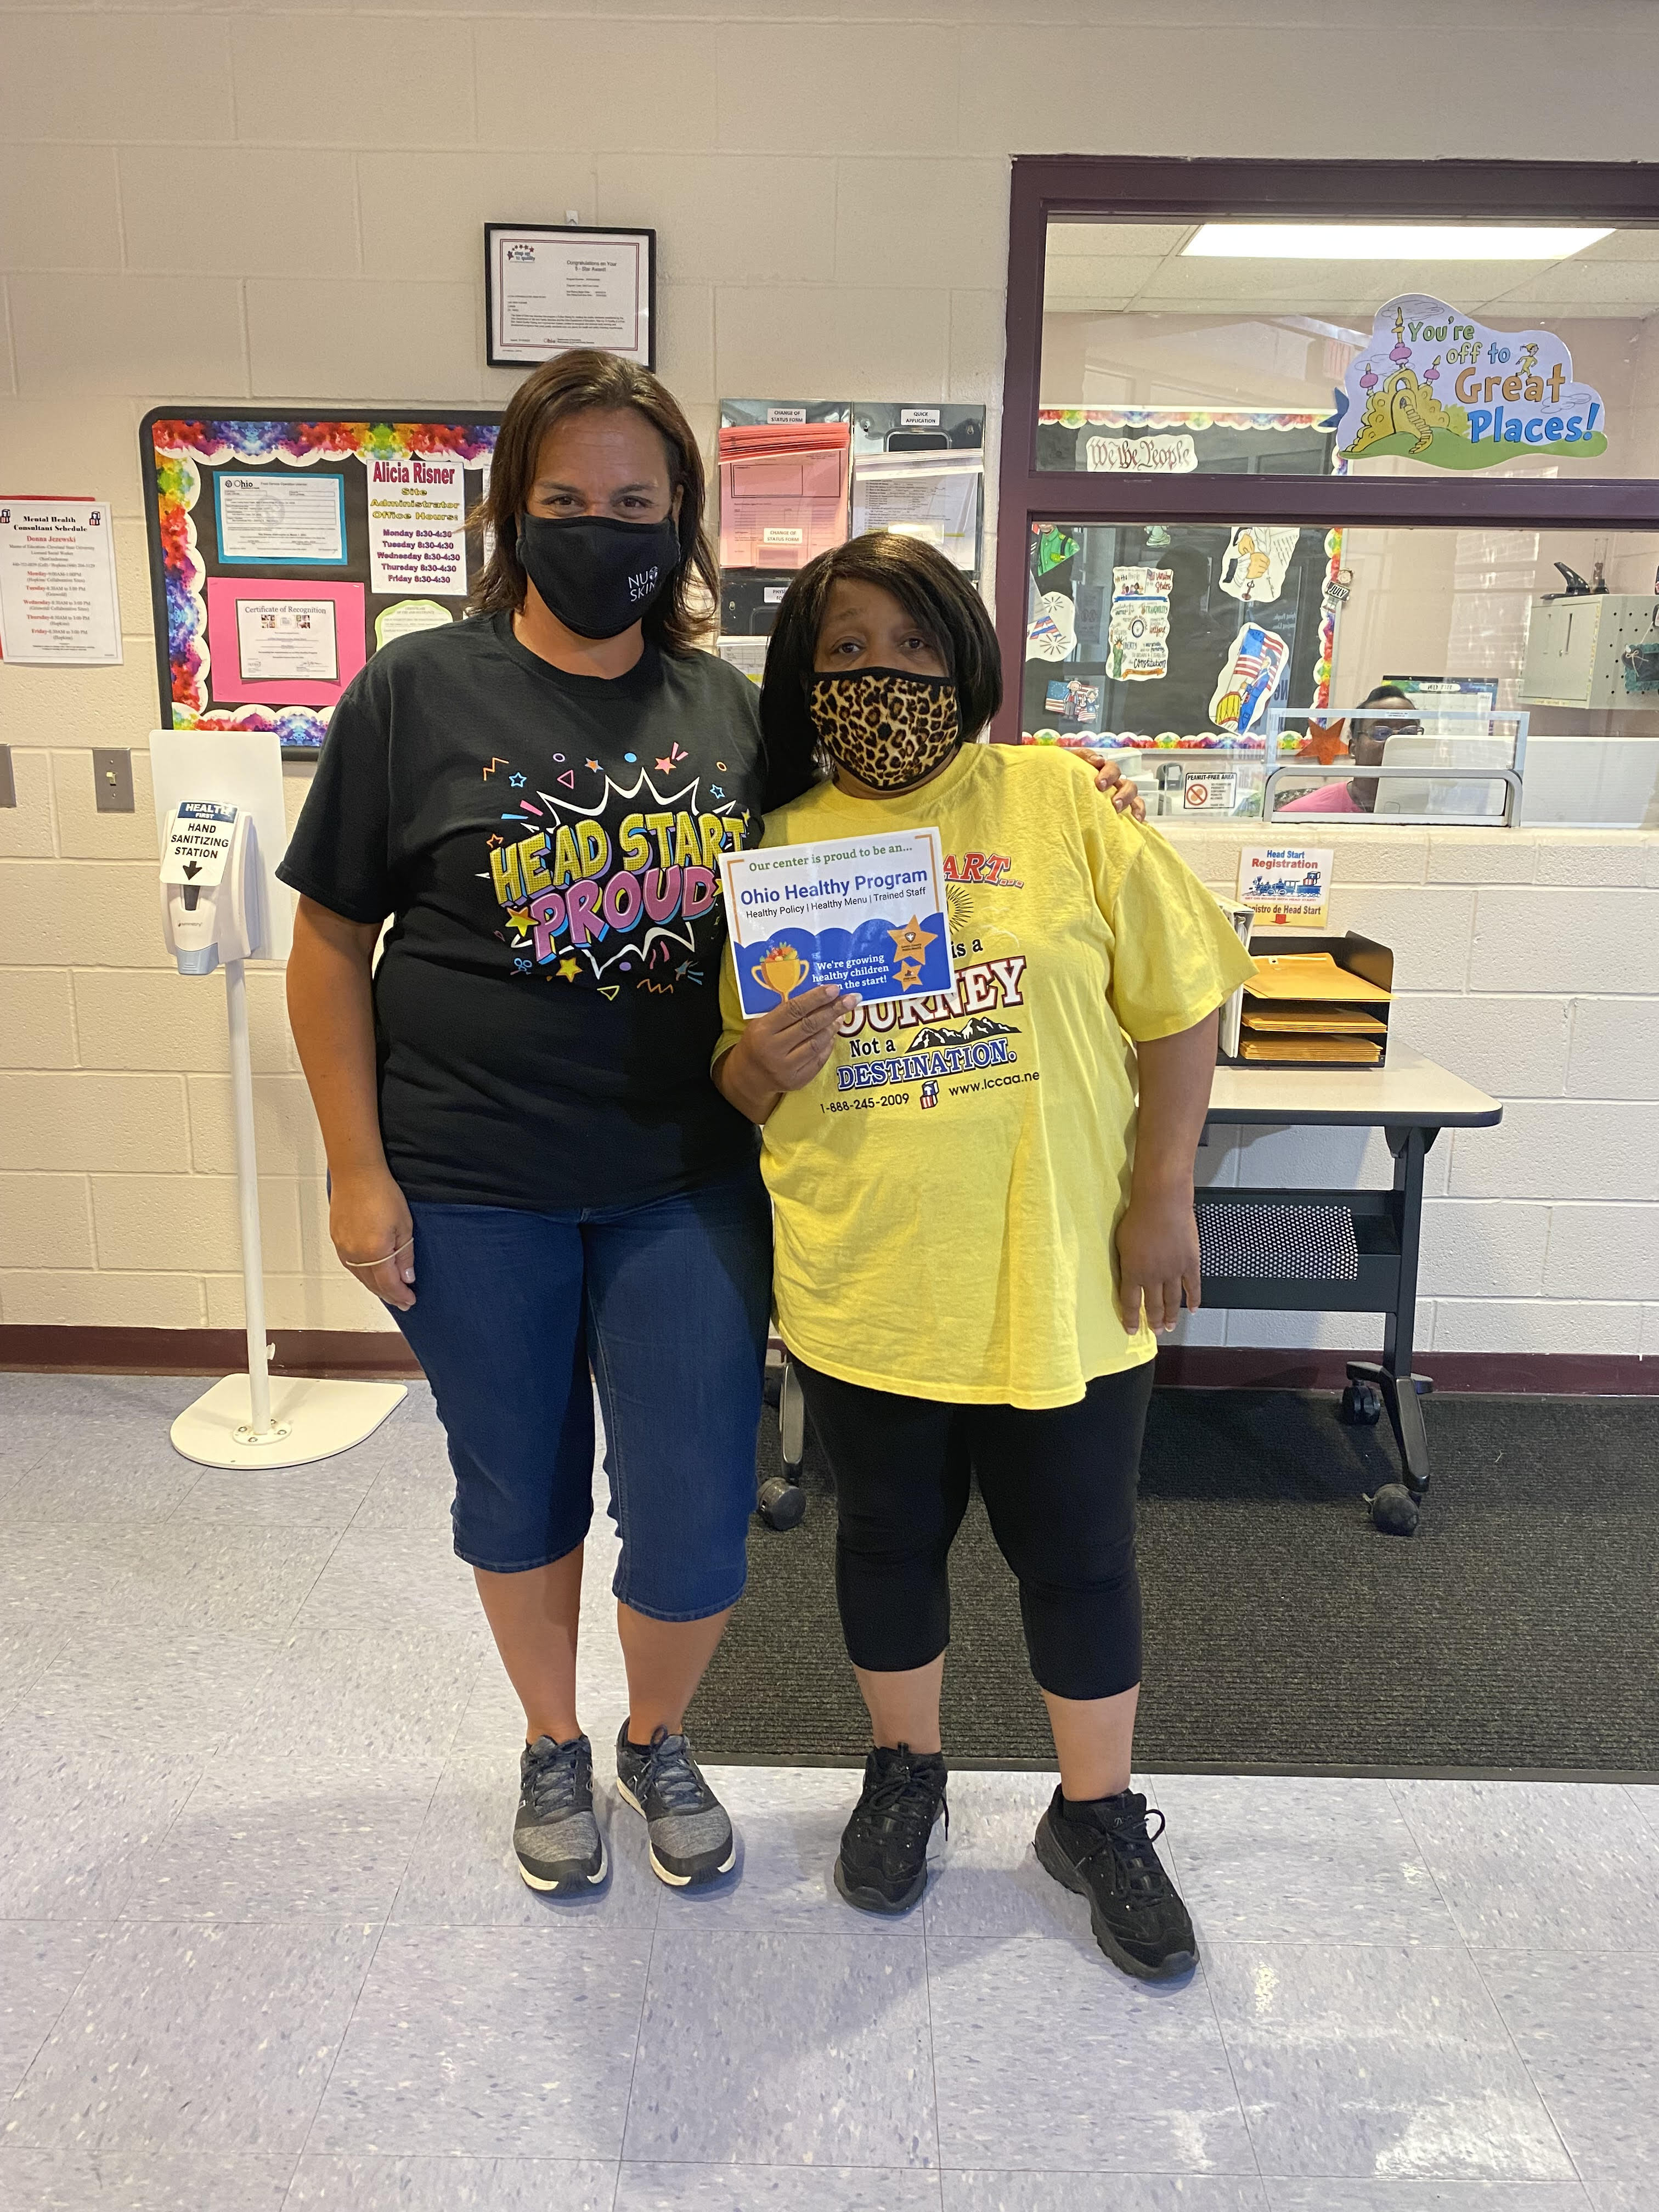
pixel 667 1303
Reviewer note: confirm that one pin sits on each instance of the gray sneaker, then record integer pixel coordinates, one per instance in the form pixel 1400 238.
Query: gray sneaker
pixel 690 1835
pixel 555 1836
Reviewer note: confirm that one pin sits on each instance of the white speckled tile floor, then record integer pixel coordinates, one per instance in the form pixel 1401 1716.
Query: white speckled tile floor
pixel 263 1948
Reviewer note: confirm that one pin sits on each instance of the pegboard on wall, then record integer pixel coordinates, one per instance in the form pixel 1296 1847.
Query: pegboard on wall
pixel 286 550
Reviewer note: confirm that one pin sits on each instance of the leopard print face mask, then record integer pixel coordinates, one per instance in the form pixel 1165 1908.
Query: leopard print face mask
pixel 890 730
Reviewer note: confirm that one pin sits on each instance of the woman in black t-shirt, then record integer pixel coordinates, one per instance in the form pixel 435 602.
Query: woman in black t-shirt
pixel 528 1160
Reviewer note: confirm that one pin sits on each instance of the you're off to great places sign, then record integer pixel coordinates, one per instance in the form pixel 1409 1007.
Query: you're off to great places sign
pixel 1442 389
pixel 864 913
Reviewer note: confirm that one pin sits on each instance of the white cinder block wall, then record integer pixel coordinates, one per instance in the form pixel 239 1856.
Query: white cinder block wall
pixel 245 201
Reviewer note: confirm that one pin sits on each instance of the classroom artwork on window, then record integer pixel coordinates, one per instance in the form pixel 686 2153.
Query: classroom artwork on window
pixel 1443 389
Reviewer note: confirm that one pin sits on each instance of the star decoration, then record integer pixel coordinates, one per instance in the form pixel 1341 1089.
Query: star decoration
pixel 664 765
pixel 519 919
pixel 911 944
pixel 594 766
pixel 906 973
pixel 517 782
pixel 568 968
pixel 715 792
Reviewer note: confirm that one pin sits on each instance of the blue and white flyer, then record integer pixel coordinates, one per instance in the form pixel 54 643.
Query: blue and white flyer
pixel 864 913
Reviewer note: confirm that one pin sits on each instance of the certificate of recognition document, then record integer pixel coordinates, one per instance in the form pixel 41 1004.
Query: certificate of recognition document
pixel 287 639
pixel 864 913
pixel 58 602
pixel 551 288
pixel 283 519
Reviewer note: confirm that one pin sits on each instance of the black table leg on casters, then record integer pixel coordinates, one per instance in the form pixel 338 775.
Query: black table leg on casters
pixel 1395 1506
pixel 782 1501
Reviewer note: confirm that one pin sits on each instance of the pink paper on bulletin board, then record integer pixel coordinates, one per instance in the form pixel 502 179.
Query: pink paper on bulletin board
pixel 350 639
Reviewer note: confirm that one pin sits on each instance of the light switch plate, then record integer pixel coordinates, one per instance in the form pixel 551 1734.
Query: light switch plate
pixel 112 779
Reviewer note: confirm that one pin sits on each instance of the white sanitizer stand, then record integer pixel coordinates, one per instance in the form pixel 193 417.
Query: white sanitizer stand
pixel 219 809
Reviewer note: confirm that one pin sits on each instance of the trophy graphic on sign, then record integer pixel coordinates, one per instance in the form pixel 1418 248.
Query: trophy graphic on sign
pixel 782 970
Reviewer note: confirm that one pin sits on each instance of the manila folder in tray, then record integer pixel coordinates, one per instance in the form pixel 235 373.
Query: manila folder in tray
pixel 1308 975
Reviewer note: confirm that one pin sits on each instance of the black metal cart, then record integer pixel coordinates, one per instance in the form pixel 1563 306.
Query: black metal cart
pixel 1310 1251
pixel 1341 1251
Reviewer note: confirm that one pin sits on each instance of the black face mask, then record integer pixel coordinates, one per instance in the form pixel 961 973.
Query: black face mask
pixel 598 575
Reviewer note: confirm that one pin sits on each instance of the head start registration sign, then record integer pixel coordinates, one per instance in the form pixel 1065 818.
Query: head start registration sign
pixel 864 913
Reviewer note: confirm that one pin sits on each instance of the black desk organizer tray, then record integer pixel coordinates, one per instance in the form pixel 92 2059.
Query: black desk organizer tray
pixel 1361 957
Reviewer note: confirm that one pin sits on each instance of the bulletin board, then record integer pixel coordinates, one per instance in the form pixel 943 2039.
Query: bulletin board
pixel 286 550
pixel 1204 623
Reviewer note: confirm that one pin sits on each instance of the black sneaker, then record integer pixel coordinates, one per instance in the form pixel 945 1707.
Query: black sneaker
pixel 555 1836
pixel 1104 1852
pixel 882 1865
pixel 690 1838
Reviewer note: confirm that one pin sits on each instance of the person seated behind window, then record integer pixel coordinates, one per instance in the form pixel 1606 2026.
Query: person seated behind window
pixel 1366 738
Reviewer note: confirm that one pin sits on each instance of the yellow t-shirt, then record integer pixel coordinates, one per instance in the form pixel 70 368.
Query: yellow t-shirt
pixel 946 1192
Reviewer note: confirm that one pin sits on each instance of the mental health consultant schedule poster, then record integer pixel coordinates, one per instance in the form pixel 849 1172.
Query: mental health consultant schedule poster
pixel 864 913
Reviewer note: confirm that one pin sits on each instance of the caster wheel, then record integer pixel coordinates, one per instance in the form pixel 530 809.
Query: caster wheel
pixel 1395 1510
pixel 1362 1405
pixel 781 1504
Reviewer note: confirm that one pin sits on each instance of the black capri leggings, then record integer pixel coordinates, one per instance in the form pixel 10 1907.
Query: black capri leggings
pixel 1059 1486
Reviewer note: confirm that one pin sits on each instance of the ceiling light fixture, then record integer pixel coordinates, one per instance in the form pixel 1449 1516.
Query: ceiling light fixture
pixel 1392 241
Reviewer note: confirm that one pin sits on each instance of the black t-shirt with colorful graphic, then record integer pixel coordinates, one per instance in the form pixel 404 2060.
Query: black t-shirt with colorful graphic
pixel 547 846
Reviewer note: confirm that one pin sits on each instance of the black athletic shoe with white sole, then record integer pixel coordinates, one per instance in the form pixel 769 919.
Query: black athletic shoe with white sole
pixel 690 1838
pixel 1103 1851
pixel 883 1863
pixel 557 1839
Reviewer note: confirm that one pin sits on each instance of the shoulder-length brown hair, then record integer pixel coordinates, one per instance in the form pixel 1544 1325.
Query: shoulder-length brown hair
pixel 573 384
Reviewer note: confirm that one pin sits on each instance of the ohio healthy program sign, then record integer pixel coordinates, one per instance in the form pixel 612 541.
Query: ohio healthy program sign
pixel 1446 391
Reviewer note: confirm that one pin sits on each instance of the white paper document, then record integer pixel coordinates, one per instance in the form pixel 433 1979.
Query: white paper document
pixel 416 525
pixel 58 606
pixel 283 519
pixel 550 290
pixel 931 495
pixel 287 639
pixel 864 914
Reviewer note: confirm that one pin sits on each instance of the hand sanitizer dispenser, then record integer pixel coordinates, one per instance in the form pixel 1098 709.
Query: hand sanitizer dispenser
pixel 221 907
pixel 210 885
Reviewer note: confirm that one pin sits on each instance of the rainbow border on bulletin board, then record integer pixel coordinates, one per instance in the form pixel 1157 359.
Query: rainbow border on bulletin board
pixel 175 444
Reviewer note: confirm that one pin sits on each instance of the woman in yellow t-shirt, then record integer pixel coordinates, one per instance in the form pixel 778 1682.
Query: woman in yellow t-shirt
pixel 973 1247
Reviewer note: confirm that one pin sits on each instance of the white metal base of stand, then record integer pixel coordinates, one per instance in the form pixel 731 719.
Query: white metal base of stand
pixel 309 1419
pixel 249 1420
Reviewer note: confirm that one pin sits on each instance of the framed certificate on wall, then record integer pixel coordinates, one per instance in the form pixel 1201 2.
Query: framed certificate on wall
pixel 550 287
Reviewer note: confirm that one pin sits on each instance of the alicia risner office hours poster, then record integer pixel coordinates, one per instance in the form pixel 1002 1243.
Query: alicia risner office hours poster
pixel 286 550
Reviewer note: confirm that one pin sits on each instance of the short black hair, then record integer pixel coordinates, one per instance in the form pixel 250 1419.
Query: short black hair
pixel 1377 729
pixel 929 588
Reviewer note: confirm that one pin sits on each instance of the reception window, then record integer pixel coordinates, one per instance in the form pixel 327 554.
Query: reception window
pixel 1334 489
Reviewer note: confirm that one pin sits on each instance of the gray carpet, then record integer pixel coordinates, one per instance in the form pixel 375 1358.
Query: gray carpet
pixel 1517 1629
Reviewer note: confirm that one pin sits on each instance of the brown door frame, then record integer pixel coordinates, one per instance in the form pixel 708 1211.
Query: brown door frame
pixel 1162 190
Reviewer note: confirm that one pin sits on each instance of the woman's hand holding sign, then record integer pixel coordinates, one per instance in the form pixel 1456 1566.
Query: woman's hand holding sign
pixel 781 1051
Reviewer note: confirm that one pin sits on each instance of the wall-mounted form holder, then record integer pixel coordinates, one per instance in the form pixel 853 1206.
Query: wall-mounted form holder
pixel 219 817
